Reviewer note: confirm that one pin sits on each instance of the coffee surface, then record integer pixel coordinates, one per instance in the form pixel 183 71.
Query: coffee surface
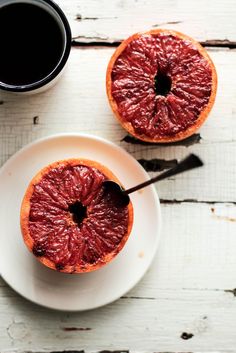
pixel 31 43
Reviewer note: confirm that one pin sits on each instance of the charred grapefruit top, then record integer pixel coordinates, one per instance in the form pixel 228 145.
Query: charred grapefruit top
pixel 161 85
pixel 68 222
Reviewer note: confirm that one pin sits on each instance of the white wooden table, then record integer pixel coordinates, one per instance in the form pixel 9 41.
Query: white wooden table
pixel 187 301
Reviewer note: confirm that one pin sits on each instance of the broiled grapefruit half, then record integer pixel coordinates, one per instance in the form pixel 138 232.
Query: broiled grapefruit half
pixel 68 222
pixel 161 85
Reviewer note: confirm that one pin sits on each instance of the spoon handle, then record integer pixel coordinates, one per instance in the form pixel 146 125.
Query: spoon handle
pixel 190 162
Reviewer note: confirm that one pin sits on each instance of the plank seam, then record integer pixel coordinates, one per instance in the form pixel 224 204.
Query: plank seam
pixel 101 42
pixel 176 202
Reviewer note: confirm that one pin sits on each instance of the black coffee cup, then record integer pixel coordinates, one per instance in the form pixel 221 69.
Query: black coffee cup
pixel 35 42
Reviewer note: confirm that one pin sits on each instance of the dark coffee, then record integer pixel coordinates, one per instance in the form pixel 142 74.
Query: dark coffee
pixel 31 43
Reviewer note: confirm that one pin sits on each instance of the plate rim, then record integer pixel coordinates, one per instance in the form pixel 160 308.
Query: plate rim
pixel 155 195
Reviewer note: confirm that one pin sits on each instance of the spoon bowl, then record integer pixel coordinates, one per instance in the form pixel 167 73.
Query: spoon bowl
pixel 116 192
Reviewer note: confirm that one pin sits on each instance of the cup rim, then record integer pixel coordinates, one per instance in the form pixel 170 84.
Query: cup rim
pixel 61 63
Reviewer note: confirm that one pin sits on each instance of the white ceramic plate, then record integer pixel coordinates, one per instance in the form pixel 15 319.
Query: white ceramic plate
pixel 52 289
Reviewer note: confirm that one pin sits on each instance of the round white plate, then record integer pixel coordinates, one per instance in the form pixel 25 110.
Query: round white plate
pixel 55 290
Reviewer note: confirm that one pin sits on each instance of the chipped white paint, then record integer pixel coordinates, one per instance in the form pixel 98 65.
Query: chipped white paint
pixel 17 331
pixel 114 20
pixel 185 290
pixel 224 212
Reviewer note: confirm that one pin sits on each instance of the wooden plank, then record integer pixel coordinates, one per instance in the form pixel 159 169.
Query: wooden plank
pixel 129 324
pixel 212 183
pixel 67 106
pixel 188 289
pixel 78 103
pixel 111 21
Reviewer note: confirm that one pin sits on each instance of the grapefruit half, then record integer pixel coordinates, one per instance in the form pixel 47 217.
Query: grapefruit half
pixel 161 85
pixel 67 220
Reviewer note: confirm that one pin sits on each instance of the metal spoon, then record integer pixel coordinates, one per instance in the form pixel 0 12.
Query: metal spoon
pixel 121 196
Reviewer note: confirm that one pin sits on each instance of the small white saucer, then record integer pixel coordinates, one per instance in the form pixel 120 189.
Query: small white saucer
pixel 55 290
